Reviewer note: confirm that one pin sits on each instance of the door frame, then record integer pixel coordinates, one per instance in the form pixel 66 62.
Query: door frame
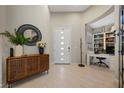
pixel 63 27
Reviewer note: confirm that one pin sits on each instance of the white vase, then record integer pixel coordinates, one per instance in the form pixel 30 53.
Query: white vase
pixel 18 50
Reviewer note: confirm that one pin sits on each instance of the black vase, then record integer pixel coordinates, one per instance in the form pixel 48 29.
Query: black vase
pixel 41 50
pixel 11 52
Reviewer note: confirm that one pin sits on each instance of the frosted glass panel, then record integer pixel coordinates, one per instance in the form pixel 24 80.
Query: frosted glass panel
pixel 62 54
pixel 62 43
pixel 62 48
pixel 62 32
pixel 62 37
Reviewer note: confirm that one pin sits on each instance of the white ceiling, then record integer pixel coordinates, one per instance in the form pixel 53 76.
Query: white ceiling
pixel 109 19
pixel 68 8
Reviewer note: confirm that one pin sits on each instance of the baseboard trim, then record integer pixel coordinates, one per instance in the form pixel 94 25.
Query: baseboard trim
pixel 3 85
pixel 0 85
pixel 62 63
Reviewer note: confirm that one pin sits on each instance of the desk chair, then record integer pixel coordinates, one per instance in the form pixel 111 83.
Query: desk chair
pixel 100 63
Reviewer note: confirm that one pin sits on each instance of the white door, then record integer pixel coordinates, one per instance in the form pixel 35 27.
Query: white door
pixel 62 47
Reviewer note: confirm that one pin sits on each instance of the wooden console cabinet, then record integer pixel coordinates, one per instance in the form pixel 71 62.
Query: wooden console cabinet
pixel 18 68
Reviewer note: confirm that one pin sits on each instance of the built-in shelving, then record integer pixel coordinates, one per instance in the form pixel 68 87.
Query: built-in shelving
pixel 104 43
pixel 98 43
pixel 110 42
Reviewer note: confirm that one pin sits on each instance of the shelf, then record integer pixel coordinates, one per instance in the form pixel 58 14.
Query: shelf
pixel 97 38
pixel 98 47
pixel 110 37
pixel 98 43
pixel 110 42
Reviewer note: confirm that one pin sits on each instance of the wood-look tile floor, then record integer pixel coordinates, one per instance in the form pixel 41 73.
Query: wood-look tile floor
pixel 71 76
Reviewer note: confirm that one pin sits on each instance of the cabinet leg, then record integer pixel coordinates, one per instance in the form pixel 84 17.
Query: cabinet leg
pixel 9 86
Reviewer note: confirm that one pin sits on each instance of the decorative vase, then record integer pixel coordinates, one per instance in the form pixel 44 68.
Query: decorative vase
pixel 18 50
pixel 41 50
pixel 11 52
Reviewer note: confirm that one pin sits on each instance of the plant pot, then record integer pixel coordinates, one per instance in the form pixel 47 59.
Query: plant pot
pixel 18 50
pixel 41 50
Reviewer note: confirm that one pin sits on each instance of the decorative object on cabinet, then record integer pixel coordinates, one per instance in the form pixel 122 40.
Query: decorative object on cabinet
pixel 18 50
pixel 32 32
pixel 18 40
pixel 41 50
pixel 41 45
pixel 11 52
pixel 18 68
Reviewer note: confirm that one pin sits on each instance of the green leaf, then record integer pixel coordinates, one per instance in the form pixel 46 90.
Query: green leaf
pixel 16 39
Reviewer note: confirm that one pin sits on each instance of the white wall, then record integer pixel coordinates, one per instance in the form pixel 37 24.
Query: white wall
pixel 91 14
pixel 73 21
pixel 36 15
pixel 3 50
pixel 106 20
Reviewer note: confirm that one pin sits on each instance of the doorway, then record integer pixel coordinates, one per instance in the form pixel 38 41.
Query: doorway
pixel 62 45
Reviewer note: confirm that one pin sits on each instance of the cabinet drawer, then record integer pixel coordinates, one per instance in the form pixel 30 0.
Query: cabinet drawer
pixel 32 65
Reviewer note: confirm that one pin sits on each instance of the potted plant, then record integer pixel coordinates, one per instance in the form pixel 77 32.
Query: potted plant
pixel 41 45
pixel 18 40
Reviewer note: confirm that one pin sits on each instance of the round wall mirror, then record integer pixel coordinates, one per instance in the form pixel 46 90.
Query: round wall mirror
pixel 32 32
